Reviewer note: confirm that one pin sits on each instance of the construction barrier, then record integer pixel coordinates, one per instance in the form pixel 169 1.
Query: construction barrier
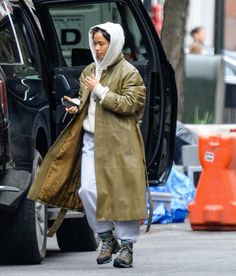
pixel 214 205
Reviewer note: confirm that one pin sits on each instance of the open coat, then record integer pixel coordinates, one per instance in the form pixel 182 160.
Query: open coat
pixel 119 150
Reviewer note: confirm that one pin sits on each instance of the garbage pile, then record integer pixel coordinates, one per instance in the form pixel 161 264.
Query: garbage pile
pixel 170 202
pixel 181 192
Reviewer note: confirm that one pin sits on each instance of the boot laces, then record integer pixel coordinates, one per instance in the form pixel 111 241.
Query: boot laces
pixel 106 245
pixel 125 252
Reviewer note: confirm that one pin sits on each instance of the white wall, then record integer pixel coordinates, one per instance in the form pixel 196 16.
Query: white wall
pixel 201 13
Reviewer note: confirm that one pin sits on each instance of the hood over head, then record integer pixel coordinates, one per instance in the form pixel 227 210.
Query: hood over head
pixel 117 40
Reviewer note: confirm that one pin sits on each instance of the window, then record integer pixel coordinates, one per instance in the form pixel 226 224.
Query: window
pixel 28 52
pixel 9 46
pixel 73 23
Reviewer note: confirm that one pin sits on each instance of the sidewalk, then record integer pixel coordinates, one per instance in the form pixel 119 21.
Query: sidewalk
pixel 175 249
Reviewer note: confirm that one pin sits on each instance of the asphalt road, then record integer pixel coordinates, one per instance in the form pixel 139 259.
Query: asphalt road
pixel 171 249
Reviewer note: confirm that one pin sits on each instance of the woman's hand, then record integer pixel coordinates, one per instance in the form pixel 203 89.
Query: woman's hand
pixel 90 82
pixel 73 109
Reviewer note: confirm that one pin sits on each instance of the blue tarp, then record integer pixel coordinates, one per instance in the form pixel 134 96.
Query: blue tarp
pixel 182 191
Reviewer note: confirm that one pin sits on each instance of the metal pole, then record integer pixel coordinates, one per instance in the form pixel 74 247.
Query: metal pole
pixel 219 26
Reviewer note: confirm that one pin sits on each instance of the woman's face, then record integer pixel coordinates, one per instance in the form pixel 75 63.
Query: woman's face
pixel 201 36
pixel 101 45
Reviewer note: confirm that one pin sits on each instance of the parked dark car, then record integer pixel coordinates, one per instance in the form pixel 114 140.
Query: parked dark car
pixel 43 49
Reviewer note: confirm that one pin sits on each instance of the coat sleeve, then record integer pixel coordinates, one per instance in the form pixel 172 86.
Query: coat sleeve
pixel 130 99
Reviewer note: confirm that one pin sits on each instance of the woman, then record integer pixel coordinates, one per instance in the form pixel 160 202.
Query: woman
pixel 112 176
pixel 199 35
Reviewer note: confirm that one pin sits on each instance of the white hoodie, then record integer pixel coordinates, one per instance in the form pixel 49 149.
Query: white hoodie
pixel 117 40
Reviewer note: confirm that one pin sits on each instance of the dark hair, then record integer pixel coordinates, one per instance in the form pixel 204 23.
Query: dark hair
pixel 104 33
pixel 196 30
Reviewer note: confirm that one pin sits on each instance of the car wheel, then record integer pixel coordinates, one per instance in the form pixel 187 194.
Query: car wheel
pixel 76 235
pixel 23 233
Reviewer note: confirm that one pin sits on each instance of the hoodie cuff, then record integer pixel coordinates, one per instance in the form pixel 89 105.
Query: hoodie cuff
pixel 100 91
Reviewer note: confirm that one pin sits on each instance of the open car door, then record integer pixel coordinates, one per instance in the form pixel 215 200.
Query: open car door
pixel 65 25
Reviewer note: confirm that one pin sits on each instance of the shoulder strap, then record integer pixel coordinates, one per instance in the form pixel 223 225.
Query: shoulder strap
pixel 57 223
pixel 150 208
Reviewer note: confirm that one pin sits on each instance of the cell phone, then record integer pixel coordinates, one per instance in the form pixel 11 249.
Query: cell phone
pixel 70 103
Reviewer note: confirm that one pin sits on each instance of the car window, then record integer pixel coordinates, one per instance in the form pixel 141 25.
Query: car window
pixel 72 25
pixel 24 41
pixel 9 45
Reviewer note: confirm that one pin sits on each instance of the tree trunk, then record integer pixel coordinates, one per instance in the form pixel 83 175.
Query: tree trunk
pixel 172 37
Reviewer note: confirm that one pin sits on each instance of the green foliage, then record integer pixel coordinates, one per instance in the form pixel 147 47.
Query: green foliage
pixel 207 117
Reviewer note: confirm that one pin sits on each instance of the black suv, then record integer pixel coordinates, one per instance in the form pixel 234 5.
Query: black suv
pixel 43 49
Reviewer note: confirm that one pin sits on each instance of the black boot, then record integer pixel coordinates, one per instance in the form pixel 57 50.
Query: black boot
pixel 109 246
pixel 125 259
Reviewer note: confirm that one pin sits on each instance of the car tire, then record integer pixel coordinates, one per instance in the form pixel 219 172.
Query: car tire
pixel 23 234
pixel 75 235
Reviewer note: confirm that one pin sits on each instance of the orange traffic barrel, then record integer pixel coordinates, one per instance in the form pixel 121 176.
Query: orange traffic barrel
pixel 214 205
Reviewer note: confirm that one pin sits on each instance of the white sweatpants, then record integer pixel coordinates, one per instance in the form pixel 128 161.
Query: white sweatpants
pixel 124 230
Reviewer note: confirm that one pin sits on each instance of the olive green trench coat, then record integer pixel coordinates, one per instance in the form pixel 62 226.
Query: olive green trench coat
pixel 118 148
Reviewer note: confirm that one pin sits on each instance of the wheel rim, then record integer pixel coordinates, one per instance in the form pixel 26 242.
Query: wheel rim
pixel 40 223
